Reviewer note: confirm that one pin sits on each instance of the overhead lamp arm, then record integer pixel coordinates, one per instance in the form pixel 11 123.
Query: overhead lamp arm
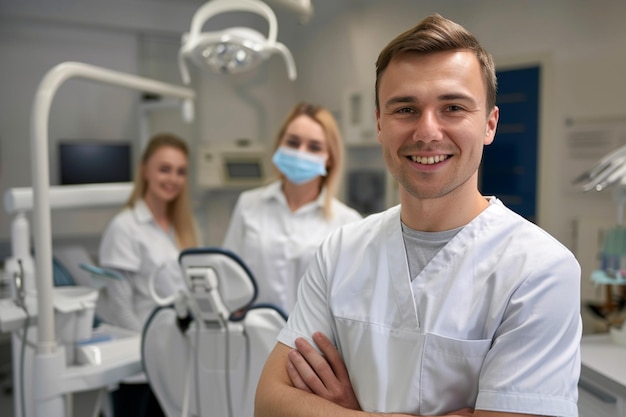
pixel 303 8
pixel 46 91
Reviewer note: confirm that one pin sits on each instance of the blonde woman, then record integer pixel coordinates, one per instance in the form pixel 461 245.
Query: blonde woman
pixel 276 229
pixel 148 235
pixel 145 237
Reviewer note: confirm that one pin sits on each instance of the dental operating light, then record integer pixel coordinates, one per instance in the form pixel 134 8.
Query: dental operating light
pixel 233 50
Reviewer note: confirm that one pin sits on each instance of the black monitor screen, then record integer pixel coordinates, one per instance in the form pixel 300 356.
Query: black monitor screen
pixel 89 162
pixel 244 169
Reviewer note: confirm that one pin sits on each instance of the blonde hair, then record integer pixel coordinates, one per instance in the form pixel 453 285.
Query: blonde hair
pixel 334 143
pixel 179 209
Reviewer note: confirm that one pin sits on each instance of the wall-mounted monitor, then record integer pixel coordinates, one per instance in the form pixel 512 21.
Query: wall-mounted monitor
pixel 94 161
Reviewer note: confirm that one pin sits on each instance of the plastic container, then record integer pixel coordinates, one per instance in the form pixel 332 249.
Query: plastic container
pixel 74 309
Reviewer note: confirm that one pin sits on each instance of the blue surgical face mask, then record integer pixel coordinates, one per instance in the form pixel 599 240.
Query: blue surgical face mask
pixel 299 167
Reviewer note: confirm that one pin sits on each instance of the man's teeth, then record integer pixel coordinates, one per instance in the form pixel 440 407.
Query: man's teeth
pixel 429 160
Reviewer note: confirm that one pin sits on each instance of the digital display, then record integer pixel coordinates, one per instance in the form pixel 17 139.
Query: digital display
pixel 244 169
pixel 91 162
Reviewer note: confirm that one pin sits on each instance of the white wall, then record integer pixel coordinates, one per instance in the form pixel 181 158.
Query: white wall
pixel 579 45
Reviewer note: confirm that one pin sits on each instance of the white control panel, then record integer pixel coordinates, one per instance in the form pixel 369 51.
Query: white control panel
pixel 242 163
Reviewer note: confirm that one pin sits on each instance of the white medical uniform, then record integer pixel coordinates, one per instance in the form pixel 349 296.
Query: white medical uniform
pixel 134 244
pixel 278 244
pixel 492 322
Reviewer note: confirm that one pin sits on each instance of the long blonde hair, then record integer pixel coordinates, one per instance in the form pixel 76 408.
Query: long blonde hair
pixel 334 142
pixel 178 210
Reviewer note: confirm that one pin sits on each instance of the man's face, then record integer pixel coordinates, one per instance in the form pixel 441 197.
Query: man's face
pixel 433 122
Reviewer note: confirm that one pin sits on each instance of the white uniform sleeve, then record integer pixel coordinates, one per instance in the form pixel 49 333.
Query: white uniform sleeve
pixel 536 347
pixel 119 248
pixel 314 314
pixel 233 239
pixel 117 306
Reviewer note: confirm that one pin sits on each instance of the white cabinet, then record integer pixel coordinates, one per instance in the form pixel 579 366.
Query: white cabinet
pixel 602 385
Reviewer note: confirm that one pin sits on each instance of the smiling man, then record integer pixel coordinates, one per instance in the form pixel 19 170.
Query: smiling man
pixel 450 303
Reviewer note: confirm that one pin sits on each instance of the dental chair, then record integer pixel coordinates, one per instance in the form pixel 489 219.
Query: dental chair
pixel 203 354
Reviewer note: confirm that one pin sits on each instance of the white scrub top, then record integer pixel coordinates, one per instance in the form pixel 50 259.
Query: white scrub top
pixel 492 322
pixel 134 244
pixel 278 244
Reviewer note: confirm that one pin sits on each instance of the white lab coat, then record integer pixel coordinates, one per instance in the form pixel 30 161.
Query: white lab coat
pixel 134 244
pixel 491 322
pixel 278 244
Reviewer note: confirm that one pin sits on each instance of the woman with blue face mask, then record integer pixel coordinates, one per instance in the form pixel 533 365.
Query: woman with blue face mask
pixel 276 229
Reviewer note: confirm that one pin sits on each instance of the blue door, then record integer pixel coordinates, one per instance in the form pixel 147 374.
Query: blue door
pixel 509 167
